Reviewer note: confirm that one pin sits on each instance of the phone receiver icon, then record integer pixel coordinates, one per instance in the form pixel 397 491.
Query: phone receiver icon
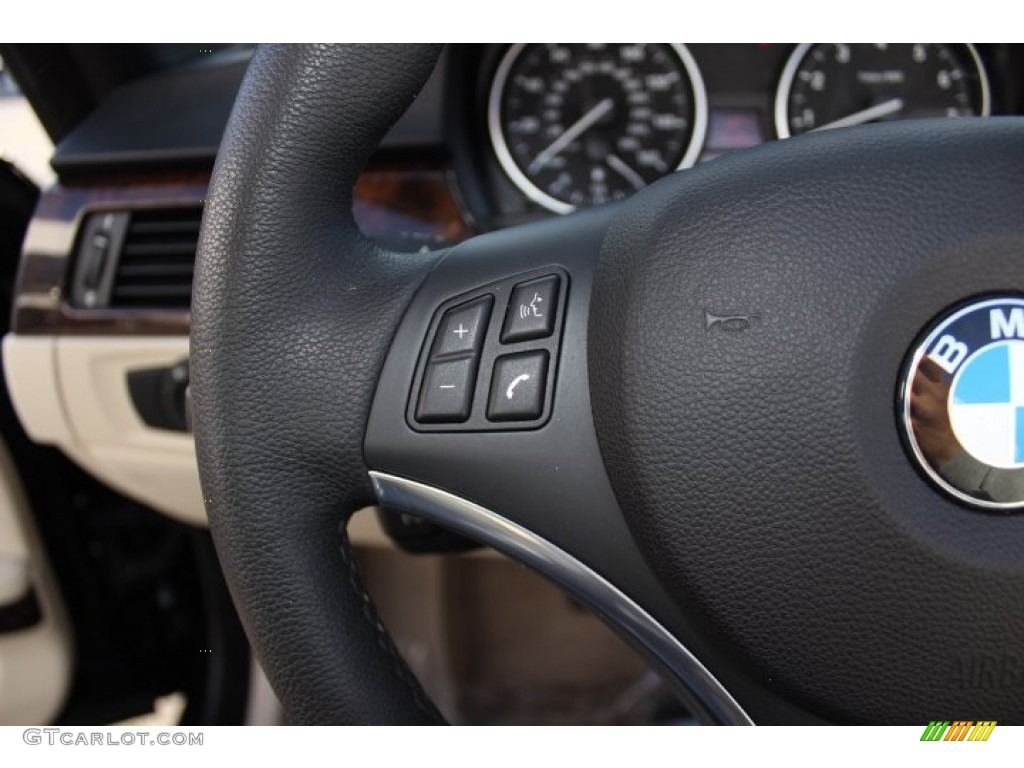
pixel 511 391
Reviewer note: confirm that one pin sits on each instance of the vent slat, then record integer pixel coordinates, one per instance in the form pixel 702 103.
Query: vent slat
pixel 157 259
pixel 162 269
pixel 164 228
pixel 153 291
pixel 141 250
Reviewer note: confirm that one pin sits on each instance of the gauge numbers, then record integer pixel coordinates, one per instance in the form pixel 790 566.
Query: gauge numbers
pixel 836 85
pixel 575 125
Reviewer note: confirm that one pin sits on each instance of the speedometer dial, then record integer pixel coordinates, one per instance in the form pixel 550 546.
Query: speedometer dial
pixel 577 125
pixel 835 85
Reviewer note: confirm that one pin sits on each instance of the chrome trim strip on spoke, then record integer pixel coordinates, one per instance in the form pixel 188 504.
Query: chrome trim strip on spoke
pixel 680 668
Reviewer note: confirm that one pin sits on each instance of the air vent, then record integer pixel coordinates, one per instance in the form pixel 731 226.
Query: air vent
pixel 154 269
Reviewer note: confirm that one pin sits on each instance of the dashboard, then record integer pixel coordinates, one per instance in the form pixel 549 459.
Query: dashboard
pixel 501 134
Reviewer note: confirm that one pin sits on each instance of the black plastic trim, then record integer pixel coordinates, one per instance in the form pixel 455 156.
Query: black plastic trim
pixel 176 118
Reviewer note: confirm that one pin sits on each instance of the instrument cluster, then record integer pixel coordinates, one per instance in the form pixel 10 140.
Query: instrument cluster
pixel 575 125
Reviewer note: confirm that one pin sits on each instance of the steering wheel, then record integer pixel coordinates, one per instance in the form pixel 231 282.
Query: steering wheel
pixel 682 408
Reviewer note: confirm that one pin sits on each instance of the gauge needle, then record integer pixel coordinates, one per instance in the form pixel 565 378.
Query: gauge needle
pixel 886 108
pixel 572 133
pixel 616 164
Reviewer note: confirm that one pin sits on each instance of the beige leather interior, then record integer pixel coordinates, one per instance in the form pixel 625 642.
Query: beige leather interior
pixel 72 393
pixel 36 662
pixel 89 414
pixel 495 643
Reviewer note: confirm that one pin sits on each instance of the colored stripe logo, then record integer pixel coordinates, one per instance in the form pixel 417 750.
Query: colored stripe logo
pixel 958 730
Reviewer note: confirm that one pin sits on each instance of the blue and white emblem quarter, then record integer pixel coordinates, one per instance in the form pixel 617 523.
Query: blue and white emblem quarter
pixel 962 403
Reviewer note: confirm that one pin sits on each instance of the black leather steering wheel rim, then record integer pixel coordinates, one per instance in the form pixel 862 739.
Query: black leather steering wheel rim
pixel 282 268
pixel 675 460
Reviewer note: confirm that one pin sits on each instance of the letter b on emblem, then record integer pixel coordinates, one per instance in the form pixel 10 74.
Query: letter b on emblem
pixel 948 353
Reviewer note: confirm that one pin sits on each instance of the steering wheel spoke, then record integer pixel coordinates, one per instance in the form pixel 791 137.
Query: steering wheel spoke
pixel 503 448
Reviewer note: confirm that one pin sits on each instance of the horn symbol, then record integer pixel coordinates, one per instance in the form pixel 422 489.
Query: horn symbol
pixel 728 322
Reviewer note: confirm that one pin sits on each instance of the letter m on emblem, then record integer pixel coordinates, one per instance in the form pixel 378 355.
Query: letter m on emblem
pixel 1003 327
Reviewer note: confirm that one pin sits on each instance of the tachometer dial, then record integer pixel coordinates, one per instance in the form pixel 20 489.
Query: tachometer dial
pixel 835 85
pixel 576 125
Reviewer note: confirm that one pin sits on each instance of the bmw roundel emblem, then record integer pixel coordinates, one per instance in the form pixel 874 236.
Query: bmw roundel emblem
pixel 962 403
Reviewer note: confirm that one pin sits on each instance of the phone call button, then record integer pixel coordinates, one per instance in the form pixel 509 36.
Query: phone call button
pixel 518 386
